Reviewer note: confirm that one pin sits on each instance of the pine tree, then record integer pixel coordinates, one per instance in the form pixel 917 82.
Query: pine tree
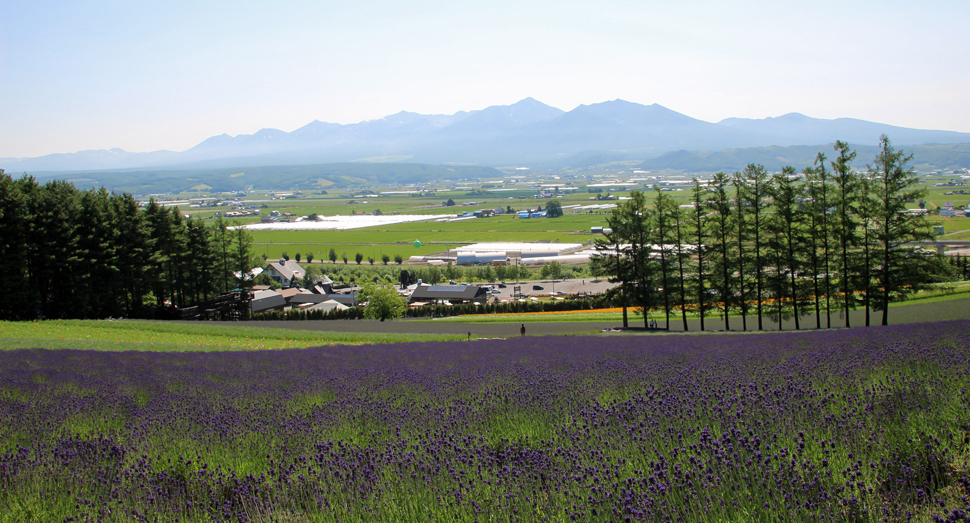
pixel 243 257
pixel 97 270
pixel 741 235
pixel 846 183
pixel 222 241
pixel 15 219
pixel 54 257
pixel 756 204
pixel 663 206
pixel 611 260
pixel 698 220
pixel 201 259
pixel 721 240
pixel 133 250
pixel 677 217
pixel 637 221
pixel 820 189
pixel 787 223
pixel 867 209
pixel 894 183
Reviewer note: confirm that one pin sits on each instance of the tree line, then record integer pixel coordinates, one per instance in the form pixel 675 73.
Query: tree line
pixel 752 246
pixel 70 253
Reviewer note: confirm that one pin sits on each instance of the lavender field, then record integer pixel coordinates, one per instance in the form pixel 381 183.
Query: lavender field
pixel 860 425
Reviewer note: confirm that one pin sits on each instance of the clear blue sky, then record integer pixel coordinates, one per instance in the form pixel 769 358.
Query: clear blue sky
pixel 143 76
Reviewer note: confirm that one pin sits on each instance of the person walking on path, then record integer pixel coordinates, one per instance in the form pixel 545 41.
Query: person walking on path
pixel 522 330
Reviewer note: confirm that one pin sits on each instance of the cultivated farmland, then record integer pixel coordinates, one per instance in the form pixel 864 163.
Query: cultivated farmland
pixel 850 425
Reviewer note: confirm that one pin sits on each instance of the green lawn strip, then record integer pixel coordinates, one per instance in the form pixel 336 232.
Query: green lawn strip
pixel 960 290
pixel 564 317
pixel 957 292
pixel 178 336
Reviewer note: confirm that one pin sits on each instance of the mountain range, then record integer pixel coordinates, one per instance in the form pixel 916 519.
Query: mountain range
pixel 527 132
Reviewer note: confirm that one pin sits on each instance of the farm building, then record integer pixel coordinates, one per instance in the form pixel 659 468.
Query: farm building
pixel 267 301
pixel 307 300
pixel 328 306
pixel 481 258
pixel 453 294
pixel 509 252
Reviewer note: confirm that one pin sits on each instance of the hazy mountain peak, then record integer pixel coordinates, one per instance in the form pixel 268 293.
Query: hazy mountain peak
pixel 793 116
pixel 532 102
pixel 788 118
pixel 623 112
pixel 503 117
pixel 268 133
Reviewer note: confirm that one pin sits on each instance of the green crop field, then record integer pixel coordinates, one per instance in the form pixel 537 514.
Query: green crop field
pixel 955 228
pixel 397 239
pixel 128 335
pixel 321 250
pixel 435 236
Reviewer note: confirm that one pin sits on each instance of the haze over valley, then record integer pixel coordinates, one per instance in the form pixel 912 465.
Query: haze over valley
pixel 528 132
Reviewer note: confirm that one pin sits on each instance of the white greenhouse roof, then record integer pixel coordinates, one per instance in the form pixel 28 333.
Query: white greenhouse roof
pixel 343 222
pixel 516 246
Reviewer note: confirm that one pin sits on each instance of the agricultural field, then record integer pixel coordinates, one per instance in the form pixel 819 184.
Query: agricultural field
pixel 435 237
pixel 849 425
pixel 392 240
pixel 956 228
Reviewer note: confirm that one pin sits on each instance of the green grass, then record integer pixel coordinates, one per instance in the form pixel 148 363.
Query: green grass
pixel 564 317
pixel 931 298
pixel 321 251
pixel 120 335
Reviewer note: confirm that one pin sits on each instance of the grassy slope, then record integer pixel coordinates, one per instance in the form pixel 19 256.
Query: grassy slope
pixel 933 306
pixel 178 337
pixel 137 335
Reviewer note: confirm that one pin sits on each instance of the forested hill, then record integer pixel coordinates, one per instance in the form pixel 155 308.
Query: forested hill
pixel 287 177
pixel 925 157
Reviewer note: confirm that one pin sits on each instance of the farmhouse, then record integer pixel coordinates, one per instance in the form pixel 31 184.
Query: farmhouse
pixel 453 294
pixel 284 271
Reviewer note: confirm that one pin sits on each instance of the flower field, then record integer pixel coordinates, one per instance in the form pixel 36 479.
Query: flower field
pixel 860 425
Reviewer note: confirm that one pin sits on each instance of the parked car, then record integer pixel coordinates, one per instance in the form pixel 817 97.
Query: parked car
pixel 537 287
pixel 502 286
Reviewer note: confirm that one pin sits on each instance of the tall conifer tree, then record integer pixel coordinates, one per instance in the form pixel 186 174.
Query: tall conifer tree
pixel 894 183
pixel 846 183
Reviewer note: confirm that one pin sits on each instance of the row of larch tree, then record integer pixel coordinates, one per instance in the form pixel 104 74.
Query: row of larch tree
pixel 789 246
pixel 70 253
